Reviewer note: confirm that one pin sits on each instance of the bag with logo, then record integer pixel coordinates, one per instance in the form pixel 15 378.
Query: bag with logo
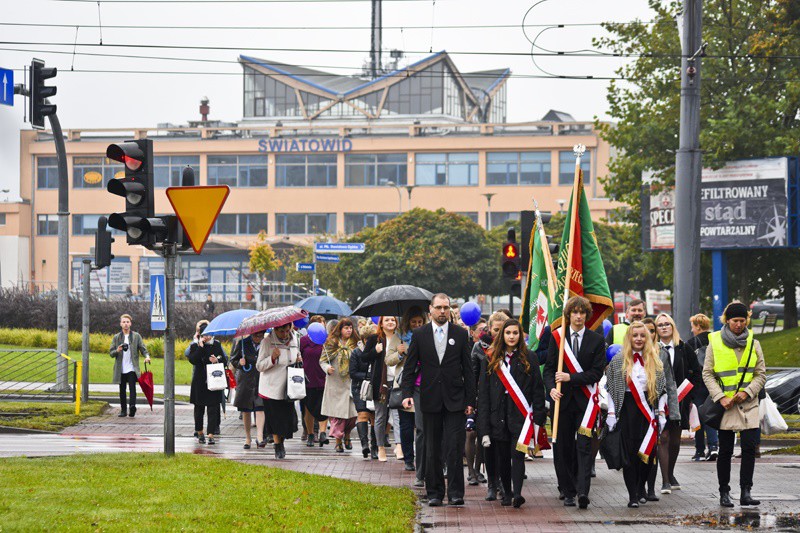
pixel 365 393
pixel 215 377
pixel 295 382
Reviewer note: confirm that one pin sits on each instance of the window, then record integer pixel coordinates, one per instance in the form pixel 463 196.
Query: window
pixel 566 167
pixel 266 97
pixel 305 170
pixel 499 218
pixel 168 169
pixel 2 219
pixel 304 223
pixel 241 224
pixel 512 168
pixel 238 171
pixel 370 170
pixel 87 225
pixel 355 222
pixel 94 172
pixel 47 224
pixel 47 172
pixel 454 169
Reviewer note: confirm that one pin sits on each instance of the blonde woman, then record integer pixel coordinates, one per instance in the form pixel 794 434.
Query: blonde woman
pixel 636 395
pixel 335 361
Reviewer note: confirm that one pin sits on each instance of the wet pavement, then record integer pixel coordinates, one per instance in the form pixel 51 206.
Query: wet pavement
pixel 694 508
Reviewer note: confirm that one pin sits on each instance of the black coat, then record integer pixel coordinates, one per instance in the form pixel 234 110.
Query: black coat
pixel 497 412
pixel 372 357
pixel 685 366
pixel 699 342
pixel 358 373
pixel 244 356
pixel 199 357
pixel 449 385
pixel 592 358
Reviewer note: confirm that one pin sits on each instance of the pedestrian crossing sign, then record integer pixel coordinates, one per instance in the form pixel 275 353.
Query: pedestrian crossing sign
pixel 158 309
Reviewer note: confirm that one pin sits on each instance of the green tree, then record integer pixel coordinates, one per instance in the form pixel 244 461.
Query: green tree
pixel 750 107
pixel 262 262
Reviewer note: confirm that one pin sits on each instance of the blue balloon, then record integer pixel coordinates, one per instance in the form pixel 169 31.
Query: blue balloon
pixel 470 313
pixel 317 333
pixel 375 319
pixel 301 322
pixel 606 326
pixel 612 350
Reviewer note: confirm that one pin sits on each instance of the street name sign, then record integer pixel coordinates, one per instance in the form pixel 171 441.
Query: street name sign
pixel 158 306
pixel 197 209
pixel 326 258
pixel 7 86
pixel 340 247
pixel 306 267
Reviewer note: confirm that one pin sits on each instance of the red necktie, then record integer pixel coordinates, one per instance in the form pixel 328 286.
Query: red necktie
pixel 638 357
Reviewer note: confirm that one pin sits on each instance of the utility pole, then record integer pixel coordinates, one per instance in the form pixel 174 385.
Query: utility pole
pixel 688 168
pixel 62 318
pixel 170 255
pixel 87 272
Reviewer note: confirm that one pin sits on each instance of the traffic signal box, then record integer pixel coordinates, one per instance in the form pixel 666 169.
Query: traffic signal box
pixel 511 263
pixel 37 107
pixel 102 245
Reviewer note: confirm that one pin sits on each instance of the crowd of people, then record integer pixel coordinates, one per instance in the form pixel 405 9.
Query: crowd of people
pixel 453 395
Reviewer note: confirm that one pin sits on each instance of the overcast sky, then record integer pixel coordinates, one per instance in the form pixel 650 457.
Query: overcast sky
pixel 338 31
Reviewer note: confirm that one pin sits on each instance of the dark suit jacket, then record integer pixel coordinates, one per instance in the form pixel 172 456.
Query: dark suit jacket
pixel 449 385
pixel 592 358
pixel 497 412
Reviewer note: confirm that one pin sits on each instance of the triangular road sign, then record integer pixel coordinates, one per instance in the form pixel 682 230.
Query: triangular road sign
pixel 197 209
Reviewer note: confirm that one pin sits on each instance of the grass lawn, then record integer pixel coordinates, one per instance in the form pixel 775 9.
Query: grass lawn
pixel 46 416
pixel 781 348
pixel 130 492
pixel 101 367
pixel 792 450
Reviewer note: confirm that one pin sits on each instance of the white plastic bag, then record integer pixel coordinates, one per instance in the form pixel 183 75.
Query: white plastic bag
pixel 295 383
pixel 771 420
pixel 215 376
pixel 694 419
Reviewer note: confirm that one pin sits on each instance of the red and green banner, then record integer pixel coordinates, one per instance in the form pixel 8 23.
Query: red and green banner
pixel 540 289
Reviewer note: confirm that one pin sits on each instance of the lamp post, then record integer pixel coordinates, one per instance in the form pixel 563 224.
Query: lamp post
pixel 488 196
pixel 561 203
pixel 409 188
pixel 399 197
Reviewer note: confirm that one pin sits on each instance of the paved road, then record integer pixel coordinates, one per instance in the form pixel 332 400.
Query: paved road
pixel 777 480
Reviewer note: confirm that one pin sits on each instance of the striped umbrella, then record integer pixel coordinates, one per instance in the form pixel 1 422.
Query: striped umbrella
pixel 270 318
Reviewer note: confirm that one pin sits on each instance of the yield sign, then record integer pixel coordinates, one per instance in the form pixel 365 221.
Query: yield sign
pixel 197 209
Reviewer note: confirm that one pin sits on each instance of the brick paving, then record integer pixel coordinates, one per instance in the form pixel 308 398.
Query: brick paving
pixel 777 480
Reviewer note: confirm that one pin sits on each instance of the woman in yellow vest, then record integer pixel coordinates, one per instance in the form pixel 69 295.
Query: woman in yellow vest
pixel 734 372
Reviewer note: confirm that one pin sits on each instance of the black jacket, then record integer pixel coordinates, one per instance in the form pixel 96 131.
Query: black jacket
pixel 592 358
pixel 243 359
pixel 358 373
pixel 449 385
pixel 699 341
pixel 199 357
pixel 497 412
pixel 685 366
pixel 372 357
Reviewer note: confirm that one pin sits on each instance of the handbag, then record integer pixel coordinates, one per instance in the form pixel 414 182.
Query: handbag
pixel 365 393
pixel 711 412
pixel 295 382
pixel 771 420
pixel 614 450
pixel 215 377
pixel 396 398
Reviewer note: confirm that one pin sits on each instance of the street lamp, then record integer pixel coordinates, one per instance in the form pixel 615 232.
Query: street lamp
pixel 399 197
pixel 409 188
pixel 488 196
pixel 561 203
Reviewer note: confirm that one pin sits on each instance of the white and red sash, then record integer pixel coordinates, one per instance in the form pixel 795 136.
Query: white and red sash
pixel 515 393
pixel 640 397
pixel 683 390
pixel 591 391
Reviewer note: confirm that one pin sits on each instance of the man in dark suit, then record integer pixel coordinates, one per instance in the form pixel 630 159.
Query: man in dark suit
pixel 441 351
pixel 573 455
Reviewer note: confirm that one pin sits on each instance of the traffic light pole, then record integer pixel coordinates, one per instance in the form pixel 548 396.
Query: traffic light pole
pixel 62 324
pixel 170 254
pixel 87 272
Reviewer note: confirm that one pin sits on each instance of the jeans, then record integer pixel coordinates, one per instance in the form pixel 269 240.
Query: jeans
pixel 700 439
pixel 127 380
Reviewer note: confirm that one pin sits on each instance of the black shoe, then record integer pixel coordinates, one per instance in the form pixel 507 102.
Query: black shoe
pixel 712 454
pixel 472 480
pixel 122 414
pixel 666 488
pixel 725 499
pixel 211 441
pixel 434 502
pixel 348 445
pixel 481 478
pixel 373 453
pixel 506 501
pixel 583 501
pixel 262 444
pixel 569 501
pixel 651 497
pixel 409 467
pixel 633 505
pixel 419 483
pixel 593 474
pixel 518 501
pixel 747 499
pixel 132 412
pixel 201 438
pixel 310 441
pixel 674 484
pixel 270 439
pixel 699 456
pixel 491 494
pixel 560 494
pixel 455 501
pixel 323 439
pixel 282 450
pixel 246 446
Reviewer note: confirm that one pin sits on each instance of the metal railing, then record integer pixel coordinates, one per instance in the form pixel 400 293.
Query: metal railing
pixel 32 375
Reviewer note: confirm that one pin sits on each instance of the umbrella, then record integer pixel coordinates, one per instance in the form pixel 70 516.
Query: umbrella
pixel 270 318
pixel 393 301
pixel 227 322
pixel 146 384
pixel 324 305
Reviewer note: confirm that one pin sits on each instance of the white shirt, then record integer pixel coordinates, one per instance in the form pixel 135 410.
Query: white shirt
pixel 580 333
pixel 639 376
pixel 127 363
pixel 671 352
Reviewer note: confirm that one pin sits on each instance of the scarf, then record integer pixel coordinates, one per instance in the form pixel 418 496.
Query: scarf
pixel 342 352
pixel 732 340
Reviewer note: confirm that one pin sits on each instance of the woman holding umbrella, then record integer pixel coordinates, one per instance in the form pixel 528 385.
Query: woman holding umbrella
pixel 205 350
pixel 335 361
pixel 243 359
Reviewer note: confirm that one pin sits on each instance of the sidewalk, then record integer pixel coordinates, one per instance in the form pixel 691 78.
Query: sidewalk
pixel 777 482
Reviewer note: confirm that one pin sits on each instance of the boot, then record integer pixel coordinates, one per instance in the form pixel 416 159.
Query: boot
pixel 747 499
pixel 725 498
pixel 323 439
pixel 277 448
pixel 373 446
pixel 363 436
pixel 491 491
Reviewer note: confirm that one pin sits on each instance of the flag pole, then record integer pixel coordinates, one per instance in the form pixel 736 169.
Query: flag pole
pixel 578 150
pixel 548 259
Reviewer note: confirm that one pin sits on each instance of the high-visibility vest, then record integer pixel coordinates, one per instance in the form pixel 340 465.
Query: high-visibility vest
pixel 727 368
pixel 619 333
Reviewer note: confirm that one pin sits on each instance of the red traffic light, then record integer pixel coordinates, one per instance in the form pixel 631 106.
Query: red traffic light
pixel 128 153
pixel 510 250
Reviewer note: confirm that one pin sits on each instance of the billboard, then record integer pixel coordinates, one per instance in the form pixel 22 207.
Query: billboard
pixel 745 204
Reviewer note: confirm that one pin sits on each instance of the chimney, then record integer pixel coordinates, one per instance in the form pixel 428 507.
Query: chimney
pixel 205 109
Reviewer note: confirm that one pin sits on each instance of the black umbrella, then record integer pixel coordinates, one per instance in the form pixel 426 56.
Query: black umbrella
pixel 393 301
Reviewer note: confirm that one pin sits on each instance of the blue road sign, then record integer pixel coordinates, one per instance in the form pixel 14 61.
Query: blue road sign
pixel 306 267
pixel 7 86
pixel 327 258
pixel 158 305
pixel 340 247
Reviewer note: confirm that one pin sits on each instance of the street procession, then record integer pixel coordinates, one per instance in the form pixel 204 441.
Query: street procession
pixel 399 265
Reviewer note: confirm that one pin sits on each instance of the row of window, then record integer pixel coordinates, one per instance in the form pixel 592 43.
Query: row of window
pixel 455 169
pixel 252 223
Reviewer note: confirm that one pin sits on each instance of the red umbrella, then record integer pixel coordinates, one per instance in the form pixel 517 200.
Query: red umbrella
pixel 146 384
pixel 270 318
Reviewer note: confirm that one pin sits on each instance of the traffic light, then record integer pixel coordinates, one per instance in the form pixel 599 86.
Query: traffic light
pixel 138 221
pixel 102 245
pixel 37 107
pixel 510 260
pixel 554 249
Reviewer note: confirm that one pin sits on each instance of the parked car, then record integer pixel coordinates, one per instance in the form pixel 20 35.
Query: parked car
pixel 784 389
pixel 762 308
